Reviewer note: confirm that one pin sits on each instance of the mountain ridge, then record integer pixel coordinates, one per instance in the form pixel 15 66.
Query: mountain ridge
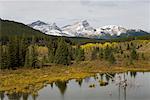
pixel 83 29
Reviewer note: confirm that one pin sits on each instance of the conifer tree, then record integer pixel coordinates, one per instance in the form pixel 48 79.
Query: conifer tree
pixel 62 55
pixel 28 59
pixel 79 54
pixel 22 51
pixel 133 54
pixel 31 58
pixel 142 56
pixel 107 52
pixel 101 53
pixel 13 51
pixel 50 51
pixel 1 52
pixel 108 55
pixel 4 57
pixel 35 61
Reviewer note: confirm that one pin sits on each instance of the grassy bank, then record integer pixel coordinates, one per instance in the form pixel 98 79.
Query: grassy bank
pixel 31 80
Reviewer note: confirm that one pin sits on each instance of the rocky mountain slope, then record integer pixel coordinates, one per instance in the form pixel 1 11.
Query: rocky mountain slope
pixel 83 29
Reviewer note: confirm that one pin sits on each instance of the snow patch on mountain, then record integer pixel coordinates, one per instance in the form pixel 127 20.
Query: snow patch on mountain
pixel 50 29
pixel 111 29
pixel 81 29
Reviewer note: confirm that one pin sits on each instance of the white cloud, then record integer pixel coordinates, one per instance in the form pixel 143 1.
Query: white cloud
pixel 128 13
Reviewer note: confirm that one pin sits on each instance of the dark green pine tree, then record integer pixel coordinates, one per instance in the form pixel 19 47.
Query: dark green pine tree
pixel 108 55
pixel 50 51
pixel 128 47
pixel 142 56
pixel 28 59
pixel 133 54
pixel 35 61
pixel 1 57
pixel 13 51
pixel 107 51
pixel 4 57
pixel 79 54
pixel 101 53
pixel 31 57
pixel 62 55
pixel 22 51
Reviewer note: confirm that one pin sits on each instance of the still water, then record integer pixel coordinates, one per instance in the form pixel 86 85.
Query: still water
pixel 123 86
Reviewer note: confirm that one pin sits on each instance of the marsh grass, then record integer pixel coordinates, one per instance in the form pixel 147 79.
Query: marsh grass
pixel 31 80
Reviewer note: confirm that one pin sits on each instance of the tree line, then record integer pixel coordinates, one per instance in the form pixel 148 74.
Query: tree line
pixel 22 51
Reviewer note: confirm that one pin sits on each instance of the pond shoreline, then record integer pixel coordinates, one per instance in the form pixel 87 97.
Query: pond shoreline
pixel 31 80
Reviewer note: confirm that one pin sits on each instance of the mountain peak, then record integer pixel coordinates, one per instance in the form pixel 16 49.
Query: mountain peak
pixel 85 23
pixel 112 30
pixel 37 23
pixel 54 27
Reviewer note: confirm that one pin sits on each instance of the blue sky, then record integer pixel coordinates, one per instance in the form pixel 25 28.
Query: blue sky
pixel 127 13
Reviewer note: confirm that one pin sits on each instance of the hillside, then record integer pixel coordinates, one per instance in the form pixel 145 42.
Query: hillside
pixel 11 28
pixel 15 28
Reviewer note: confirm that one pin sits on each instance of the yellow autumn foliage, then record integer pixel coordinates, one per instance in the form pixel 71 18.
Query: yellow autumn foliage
pixel 90 46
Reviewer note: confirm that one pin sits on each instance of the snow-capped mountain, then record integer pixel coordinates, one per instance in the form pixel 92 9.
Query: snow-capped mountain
pixel 50 29
pixel 111 29
pixel 37 23
pixel 83 29
pixel 79 29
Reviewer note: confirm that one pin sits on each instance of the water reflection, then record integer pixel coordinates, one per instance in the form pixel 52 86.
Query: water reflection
pixel 34 96
pixel 62 86
pixel 123 85
pixel 25 96
pixel 2 95
pixel 79 81
pixel 133 74
pixel 14 96
pixel 117 86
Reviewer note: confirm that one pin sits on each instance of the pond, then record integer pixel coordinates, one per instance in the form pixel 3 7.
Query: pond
pixel 119 86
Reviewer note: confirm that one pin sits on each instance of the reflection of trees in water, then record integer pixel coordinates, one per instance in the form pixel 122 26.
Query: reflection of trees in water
pixel 17 96
pixel 109 76
pixel 52 85
pixel 95 77
pixel 101 76
pixel 25 96
pixel 34 96
pixel 62 86
pixel 133 74
pixel 14 96
pixel 2 95
pixel 79 81
pixel 122 85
